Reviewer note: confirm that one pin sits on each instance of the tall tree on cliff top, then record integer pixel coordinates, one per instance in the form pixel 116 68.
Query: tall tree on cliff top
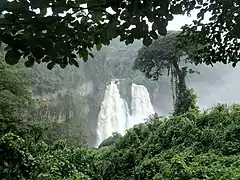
pixel 163 57
pixel 54 31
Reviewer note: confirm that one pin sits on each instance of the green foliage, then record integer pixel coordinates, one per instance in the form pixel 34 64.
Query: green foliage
pixel 190 146
pixel 89 24
pixel 16 161
pixel 158 59
pixel 75 94
pixel 110 140
pixel 216 40
pixel 186 100
pixel 60 35
pixel 162 58
pixel 15 97
pixel 21 160
pixel 194 145
pixel 68 131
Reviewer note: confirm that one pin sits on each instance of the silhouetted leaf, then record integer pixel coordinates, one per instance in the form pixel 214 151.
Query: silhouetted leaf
pixel 62 65
pixel 153 34
pixel 50 65
pixel 176 9
pixel 29 63
pixel 90 54
pixel 99 46
pixel 85 56
pixel 43 11
pixel 169 17
pixel 38 52
pixel 147 41
pixel 72 56
pixel 46 59
pixel 12 56
pixel 73 62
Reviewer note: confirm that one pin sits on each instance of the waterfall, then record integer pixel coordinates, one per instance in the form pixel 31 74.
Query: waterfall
pixel 141 106
pixel 114 115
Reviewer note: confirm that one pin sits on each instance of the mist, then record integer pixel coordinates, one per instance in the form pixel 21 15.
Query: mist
pixel 218 84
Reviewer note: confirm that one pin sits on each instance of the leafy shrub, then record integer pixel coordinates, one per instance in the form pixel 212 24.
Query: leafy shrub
pixel 194 145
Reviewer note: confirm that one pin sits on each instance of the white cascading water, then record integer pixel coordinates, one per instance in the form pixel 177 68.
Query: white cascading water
pixel 141 106
pixel 114 115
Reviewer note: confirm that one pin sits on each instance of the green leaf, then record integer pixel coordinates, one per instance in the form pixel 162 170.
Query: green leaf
pixel 6 38
pixel 169 17
pixel 111 32
pixel 16 7
pixel 2 4
pixel 162 31
pixel 235 30
pixel 147 41
pixel 160 25
pixel 91 55
pixel 50 65
pixel 129 40
pixel 177 9
pixel 85 56
pixel 73 62
pixel 43 11
pixel 29 63
pixel 99 46
pixel 124 15
pixel 72 56
pixel 154 26
pixel 96 16
pixel 12 57
pixel 153 34
pixel 38 52
pixel 62 65
pixel 4 21
pixel 46 59
pixel 234 64
pixel 10 17
pixel 65 60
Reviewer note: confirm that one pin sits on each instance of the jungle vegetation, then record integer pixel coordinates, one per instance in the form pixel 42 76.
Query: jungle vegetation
pixel 189 144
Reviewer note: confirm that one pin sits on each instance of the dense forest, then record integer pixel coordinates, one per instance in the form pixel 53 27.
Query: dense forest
pixel 48 138
pixel 55 67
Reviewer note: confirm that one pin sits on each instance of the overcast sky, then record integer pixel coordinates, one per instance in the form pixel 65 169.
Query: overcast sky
pixel 180 20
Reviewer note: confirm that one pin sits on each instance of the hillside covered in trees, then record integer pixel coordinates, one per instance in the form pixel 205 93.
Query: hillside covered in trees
pixel 58 57
pixel 75 94
pixel 201 145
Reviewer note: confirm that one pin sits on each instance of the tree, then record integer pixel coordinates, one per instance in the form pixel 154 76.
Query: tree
pixel 163 57
pixel 110 140
pixel 217 39
pixel 192 146
pixel 63 28
pixel 54 31
pixel 15 96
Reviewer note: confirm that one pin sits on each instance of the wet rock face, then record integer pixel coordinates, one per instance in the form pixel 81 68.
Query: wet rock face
pixel 85 89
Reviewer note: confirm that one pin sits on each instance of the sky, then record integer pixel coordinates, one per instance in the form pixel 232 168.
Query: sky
pixel 180 20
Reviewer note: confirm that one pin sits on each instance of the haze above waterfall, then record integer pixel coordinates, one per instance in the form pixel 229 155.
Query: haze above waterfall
pixel 116 117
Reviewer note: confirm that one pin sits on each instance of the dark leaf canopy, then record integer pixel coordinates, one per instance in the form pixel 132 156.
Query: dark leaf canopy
pixel 218 37
pixel 51 31
pixel 155 59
